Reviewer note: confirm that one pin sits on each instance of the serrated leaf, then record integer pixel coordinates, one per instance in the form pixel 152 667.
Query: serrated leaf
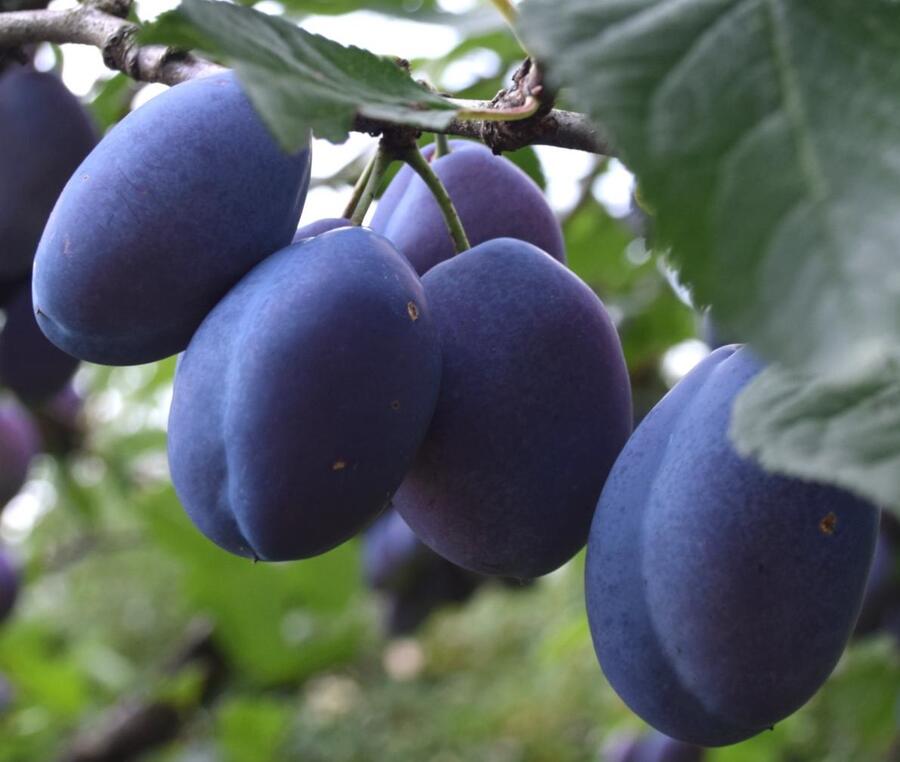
pixel 300 81
pixel 843 431
pixel 766 134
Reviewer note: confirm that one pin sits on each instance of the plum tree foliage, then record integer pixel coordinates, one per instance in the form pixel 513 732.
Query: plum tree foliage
pixel 445 382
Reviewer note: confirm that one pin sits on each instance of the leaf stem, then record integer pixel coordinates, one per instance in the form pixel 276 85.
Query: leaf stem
pixel 380 162
pixel 513 114
pixel 423 169
pixel 510 14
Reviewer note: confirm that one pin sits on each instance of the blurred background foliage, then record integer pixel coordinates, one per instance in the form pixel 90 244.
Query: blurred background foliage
pixel 128 612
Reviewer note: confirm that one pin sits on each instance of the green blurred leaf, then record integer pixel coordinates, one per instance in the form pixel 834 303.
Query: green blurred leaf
pixel 603 252
pixel 277 622
pixel 252 729
pixel 42 672
pixel 595 247
pixel 337 7
pixel 765 134
pixel 300 81
pixel 113 100
pixel 843 431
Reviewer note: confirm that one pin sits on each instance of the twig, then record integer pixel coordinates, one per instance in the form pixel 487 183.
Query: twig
pixel 116 38
pixel 135 726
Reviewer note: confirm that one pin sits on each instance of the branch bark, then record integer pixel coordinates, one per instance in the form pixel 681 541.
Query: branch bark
pixel 116 39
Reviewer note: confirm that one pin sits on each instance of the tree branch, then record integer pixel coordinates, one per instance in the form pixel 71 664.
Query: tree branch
pixel 115 37
pixel 137 725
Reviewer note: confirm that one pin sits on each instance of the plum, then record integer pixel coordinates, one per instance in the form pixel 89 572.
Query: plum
pixel 414 579
pixel 30 365
pixel 7 693
pixel 494 199
pixel 719 596
pixel 654 747
pixel 303 397
pixel 320 226
pixel 44 135
pixel 881 588
pixel 9 585
pixel 19 443
pixel 392 554
pixel 534 407
pixel 176 203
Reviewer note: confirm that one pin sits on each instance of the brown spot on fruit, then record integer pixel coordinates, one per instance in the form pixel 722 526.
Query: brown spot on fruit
pixel 413 311
pixel 339 465
pixel 395 405
pixel 828 524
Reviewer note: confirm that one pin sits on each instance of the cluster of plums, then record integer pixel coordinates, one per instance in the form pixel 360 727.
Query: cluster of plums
pixel 44 134
pixel 332 373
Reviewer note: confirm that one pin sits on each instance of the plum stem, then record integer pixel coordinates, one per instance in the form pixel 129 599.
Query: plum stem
pixel 422 168
pixel 441 145
pixel 360 187
pixel 380 162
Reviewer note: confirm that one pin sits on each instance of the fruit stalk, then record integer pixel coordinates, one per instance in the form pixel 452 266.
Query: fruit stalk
pixel 360 188
pixel 423 169
pixel 441 145
pixel 373 174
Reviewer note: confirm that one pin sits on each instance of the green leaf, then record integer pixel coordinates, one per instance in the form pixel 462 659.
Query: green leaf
pixel 604 253
pixel 300 81
pixel 842 431
pixel 766 134
pixel 111 103
pixel 337 7
pixel 252 729
pixel 309 622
